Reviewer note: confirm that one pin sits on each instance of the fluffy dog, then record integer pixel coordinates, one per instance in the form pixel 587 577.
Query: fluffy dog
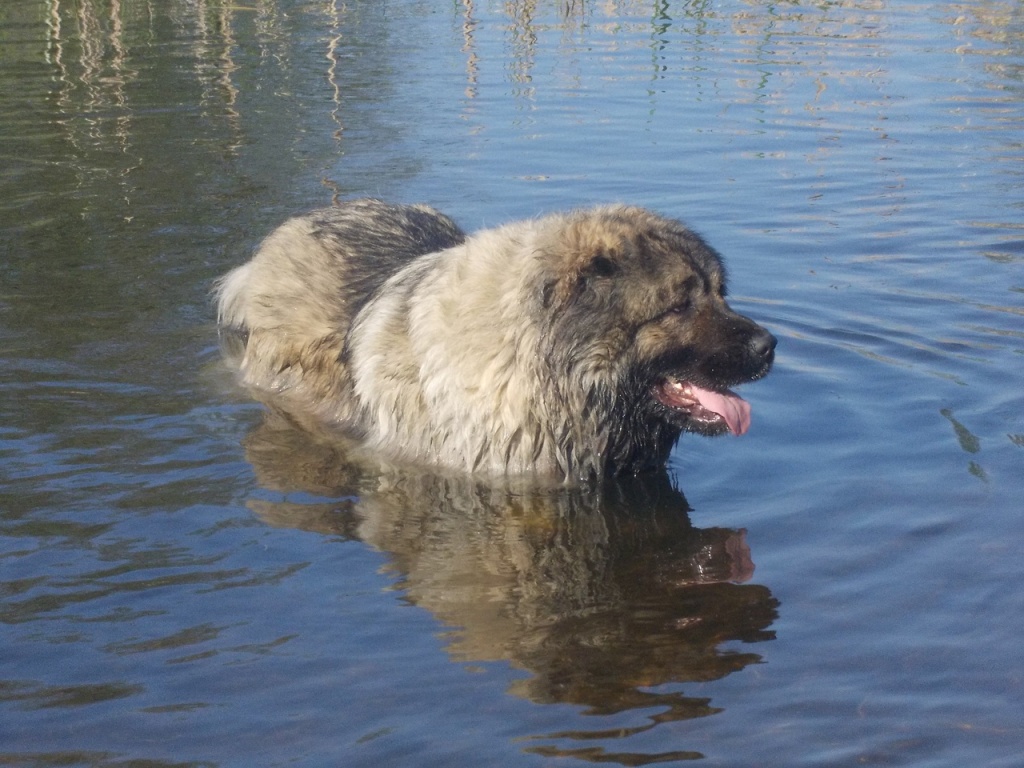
pixel 572 346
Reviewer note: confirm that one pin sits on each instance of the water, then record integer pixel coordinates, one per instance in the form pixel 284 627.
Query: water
pixel 184 582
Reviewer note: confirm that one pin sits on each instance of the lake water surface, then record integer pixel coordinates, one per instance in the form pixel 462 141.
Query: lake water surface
pixel 185 582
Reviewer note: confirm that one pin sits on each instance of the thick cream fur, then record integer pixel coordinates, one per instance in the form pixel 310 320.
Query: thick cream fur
pixel 520 350
pixel 444 358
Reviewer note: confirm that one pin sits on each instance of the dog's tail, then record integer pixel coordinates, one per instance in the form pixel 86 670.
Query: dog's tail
pixel 230 293
pixel 275 349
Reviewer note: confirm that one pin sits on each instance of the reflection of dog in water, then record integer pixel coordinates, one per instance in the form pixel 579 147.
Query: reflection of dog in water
pixel 599 592
pixel 573 346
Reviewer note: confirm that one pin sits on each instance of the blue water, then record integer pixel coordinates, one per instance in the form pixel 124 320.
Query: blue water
pixel 184 582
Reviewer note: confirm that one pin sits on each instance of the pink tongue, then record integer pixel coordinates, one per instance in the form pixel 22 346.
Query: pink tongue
pixel 733 408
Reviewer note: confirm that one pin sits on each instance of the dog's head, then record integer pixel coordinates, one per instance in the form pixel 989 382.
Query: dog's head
pixel 637 303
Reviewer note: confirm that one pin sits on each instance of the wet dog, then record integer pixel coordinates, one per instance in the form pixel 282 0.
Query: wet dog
pixel 572 346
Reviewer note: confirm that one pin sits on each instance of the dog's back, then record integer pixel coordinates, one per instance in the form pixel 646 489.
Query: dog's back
pixel 294 302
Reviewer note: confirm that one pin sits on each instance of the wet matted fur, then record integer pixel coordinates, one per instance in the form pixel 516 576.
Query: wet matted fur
pixel 575 345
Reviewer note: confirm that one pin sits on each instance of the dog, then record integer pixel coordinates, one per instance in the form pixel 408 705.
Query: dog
pixel 573 346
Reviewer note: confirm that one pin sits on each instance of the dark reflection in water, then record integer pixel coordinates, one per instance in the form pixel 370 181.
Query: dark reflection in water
pixel 604 596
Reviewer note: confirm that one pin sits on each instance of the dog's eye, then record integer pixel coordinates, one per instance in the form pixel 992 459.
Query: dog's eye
pixel 681 308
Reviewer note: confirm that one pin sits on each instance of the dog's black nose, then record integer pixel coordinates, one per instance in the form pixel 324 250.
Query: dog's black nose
pixel 763 344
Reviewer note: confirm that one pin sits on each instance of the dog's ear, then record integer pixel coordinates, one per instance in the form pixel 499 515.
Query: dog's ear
pixel 596 268
pixel 574 284
pixel 600 265
pixel 548 293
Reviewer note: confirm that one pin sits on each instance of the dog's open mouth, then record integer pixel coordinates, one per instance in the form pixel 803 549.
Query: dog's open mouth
pixel 705 406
